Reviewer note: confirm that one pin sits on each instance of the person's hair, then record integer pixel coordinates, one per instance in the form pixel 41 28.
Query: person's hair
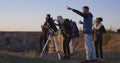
pixel 60 19
pixel 100 19
pixel 48 15
pixel 86 7
pixel 66 19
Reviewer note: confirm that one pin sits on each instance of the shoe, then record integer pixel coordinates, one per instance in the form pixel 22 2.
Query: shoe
pixel 68 58
pixel 95 60
pixel 64 57
pixel 86 61
pixel 72 54
pixel 101 59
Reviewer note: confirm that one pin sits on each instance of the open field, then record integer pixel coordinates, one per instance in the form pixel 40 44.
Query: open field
pixel 110 57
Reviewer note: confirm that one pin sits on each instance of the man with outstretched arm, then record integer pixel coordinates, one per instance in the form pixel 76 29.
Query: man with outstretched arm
pixel 87 29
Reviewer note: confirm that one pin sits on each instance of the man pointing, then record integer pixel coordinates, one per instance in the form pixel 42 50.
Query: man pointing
pixel 87 29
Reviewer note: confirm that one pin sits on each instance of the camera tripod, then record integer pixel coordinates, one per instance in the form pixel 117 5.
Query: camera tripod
pixel 47 42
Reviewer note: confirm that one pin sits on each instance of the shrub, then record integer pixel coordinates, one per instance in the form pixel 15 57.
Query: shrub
pixel 118 30
pixel 7 40
pixel 106 38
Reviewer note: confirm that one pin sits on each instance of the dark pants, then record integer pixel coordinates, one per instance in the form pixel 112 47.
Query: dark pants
pixel 98 48
pixel 66 47
pixel 42 41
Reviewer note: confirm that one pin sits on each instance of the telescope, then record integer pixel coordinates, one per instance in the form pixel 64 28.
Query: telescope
pixel 51 23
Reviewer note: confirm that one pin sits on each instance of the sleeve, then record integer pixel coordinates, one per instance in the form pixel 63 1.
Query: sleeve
pixel 103 30
pixel 80 13
pixel 56 24
pixel 80 22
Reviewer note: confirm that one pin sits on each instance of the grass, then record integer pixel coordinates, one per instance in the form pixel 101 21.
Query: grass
pixel 110 57
pixel 14 59
pixel 106 38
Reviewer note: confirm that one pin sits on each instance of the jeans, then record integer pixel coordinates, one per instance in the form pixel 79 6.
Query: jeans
pixel 89 47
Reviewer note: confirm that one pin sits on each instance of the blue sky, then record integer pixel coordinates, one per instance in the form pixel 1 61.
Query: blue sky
pixel 29 15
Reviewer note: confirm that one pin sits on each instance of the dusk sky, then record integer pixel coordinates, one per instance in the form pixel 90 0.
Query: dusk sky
pixel 29 15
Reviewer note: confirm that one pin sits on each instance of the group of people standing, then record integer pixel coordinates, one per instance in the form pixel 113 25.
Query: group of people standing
pixel 69 30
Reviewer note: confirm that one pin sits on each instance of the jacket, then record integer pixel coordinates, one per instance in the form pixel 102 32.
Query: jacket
pixel 87 24
pixel 66 28
pixel 98 32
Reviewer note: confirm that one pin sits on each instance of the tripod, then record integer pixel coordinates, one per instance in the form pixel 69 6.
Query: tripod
pixel 47 42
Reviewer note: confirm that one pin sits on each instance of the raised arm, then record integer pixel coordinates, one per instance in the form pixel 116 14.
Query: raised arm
pixel 76 11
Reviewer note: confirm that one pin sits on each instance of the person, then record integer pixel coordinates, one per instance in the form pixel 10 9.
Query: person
pixel 48 25
pixel 51 22
pixel 75 34
pixel 87 29
pixel 44 36
pixel 98 30
pixel 66 30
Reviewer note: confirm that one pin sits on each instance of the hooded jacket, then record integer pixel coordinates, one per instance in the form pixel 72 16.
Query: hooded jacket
pixel 65 26
pixel 87 24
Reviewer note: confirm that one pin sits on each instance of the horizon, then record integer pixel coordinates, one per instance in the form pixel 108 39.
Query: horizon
pixel 29 15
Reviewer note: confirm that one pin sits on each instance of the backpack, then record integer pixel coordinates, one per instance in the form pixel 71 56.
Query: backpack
pixel 75 29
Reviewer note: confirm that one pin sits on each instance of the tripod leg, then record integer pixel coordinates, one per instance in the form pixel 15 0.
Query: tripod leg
pixel 44 47
pixel 56 48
